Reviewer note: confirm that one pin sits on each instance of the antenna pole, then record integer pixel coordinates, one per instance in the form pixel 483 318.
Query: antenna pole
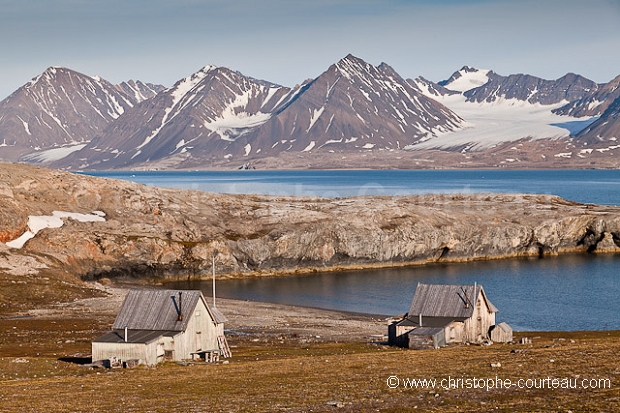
pixel 213 265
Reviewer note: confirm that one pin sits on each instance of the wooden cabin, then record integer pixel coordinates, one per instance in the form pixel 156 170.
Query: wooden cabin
pixel 157 325
pixel 445 314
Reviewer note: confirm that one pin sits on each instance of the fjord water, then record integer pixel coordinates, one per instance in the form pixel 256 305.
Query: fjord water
pixel 576 292
pixel 588 186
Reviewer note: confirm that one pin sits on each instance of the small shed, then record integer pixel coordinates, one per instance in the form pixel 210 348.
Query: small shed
pixel 501 333
pixel 157 325
pixel 463 313
pixel 426 337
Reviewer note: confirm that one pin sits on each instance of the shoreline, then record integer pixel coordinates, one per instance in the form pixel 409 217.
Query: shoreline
pixel 249 317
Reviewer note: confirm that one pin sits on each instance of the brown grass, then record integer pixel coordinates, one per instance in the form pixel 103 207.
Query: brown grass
pixel 39 372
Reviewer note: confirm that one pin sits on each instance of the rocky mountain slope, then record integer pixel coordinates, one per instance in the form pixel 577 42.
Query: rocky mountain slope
pixel 219 115
pixel 354 113
pixel 60 111
pixel 606 130
pixel 594 103
pixel 201 114
pixel 147 231
pixel 350 107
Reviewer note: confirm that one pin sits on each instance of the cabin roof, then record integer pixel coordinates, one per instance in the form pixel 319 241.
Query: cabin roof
pixel 160 310
pixel 504 326
pixel 134 336
pixel 447 300
pixel 426 331
pixel 429 321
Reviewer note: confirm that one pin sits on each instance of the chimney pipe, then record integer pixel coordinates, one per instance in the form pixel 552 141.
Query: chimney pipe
pixel 180 318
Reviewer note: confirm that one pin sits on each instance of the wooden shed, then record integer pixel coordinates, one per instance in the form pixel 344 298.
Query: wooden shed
pixel 501 333
pixel 463 312
pixel 157 325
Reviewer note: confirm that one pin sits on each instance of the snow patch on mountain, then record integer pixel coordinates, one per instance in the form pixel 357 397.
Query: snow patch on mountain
pixel 232 122
pixel 490 124
pixel 177 92
pixel 51 155
pixel 466 79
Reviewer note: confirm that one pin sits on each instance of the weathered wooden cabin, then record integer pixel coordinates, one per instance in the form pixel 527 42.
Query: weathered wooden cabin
pixel 157 325
pixel 444 314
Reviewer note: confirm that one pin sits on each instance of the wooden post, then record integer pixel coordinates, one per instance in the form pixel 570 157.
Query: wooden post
pixel 213 264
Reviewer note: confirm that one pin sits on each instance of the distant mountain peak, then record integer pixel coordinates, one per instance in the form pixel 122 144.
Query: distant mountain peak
pixel 465 79
pixel 350 65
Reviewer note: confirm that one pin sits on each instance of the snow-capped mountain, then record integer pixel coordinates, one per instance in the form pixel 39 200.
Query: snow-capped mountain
pixel 199 116
pixel 467 78
pixel 594 103
pixel 531 89
pixel 606 129
pixel 139 91
pixel 352 106
pixel 218 115
pixel 58 112
pixel 501 109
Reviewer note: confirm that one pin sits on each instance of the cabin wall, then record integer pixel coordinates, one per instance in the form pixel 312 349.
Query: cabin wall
pixel 147 353
pixel 478 325
pixel 455 332
pixel 501 335
pixel 201 334
pixel 419 341
pixel 397 335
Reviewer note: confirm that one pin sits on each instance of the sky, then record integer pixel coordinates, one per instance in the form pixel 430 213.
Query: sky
pixel 288 41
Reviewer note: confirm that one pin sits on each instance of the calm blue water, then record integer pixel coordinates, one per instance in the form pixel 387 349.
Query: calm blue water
pixel 590 186
pixel 564 293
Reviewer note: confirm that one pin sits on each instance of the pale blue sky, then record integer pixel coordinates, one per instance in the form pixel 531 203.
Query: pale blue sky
pixel 286 41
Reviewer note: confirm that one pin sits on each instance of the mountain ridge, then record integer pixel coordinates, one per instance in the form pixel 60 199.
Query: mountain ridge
pixel 218 117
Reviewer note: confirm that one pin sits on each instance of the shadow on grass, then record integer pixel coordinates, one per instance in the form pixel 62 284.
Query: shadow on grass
pixel 77 360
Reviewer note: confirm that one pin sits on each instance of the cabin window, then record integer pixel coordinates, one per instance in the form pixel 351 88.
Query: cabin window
pixel 169 354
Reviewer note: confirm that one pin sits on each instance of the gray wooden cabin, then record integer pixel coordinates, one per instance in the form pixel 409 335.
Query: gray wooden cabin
pixel 157 325
pixel 444 314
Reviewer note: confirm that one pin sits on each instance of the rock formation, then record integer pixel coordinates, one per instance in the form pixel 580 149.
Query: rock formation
pixel 153 232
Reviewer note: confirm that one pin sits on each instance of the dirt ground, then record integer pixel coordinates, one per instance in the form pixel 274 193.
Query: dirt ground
pixel 295 359
pixel 252 320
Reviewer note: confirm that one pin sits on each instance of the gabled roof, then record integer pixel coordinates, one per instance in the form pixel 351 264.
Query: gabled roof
pixel 133 336
pixel 159 310
pixel 447 300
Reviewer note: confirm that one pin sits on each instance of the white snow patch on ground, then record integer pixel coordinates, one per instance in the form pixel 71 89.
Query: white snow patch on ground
pixel 368 146
pixel 248 149
pixel 229 123
pixel 309 147
pixel 38 223
pixel 26 127
pixel 55 154
pixel 316 114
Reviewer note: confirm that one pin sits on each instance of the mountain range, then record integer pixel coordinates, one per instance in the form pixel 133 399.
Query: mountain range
pixel 354 114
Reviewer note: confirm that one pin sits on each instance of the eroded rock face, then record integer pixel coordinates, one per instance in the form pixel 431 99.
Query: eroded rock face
pixel 174 233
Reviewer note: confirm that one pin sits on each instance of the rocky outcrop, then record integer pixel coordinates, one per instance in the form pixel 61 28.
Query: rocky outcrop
pixel 174 234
